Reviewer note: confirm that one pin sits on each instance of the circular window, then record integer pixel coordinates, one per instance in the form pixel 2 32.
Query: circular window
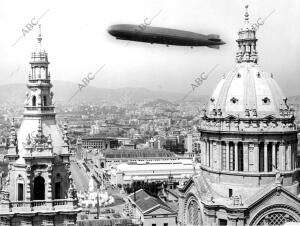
pixel 193 217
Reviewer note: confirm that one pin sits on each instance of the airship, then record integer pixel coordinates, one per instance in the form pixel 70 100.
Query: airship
pixel 165 36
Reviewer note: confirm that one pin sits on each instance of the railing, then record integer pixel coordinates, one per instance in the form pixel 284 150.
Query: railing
pixel 27 206
pixel 38 203
pixel 20 204
pixel 42 108
pixel 61 202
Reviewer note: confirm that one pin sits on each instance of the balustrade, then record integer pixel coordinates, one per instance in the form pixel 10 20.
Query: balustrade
pixel 19 206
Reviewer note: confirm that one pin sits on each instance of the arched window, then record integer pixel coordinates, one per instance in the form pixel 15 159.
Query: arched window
pixel 20 192
pixel 193 213
pixel 39 188
pixel 276 218
pixel 57 187
pixel 34 101
pixel 57 190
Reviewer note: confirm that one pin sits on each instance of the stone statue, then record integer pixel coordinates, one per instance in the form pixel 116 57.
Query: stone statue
pixel 278 178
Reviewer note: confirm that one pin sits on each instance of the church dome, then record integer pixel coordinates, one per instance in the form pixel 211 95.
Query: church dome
pixel 247 88
pixel 247 91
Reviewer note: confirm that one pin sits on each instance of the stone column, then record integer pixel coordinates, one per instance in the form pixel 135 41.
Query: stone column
pixel 48 188
pixel 273 156
pixel 256 158
pixel 207 152
pixel 227 155
pixel 28 184
pixel 235 156
pixel 288 157
pixel 232 222
pixel 281 156
pixel 246 156
pixel 266 157
pixel 211 155
pixel 202 152
pixel 220 155
pixel 241 222
pixel 294 156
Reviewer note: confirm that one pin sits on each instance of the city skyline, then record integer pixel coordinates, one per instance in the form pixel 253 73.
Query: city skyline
pixel 127 68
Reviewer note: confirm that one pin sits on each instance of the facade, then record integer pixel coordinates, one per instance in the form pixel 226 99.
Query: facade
pixel 151 211
pixel 112 158
pixel 249 159
pixel 99 143
pixel 39 188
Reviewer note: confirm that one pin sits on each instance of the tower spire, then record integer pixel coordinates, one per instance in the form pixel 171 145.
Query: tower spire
pixel 246 42
pixel 246 14
pixel 40 34
pixel 39 95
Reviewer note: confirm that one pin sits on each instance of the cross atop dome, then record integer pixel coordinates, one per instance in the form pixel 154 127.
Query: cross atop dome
pixel 246 14
pixel 40 34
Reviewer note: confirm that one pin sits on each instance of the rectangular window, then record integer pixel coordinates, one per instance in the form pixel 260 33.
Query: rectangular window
pixel 222 222
pixel 166 224
pixel 230 192
pixel 153 224
pixel 20 192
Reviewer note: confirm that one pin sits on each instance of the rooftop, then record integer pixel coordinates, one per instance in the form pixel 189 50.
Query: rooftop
pixel 145 202
pixel 136 153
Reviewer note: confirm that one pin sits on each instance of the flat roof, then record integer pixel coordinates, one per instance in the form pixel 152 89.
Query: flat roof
pixel 152 166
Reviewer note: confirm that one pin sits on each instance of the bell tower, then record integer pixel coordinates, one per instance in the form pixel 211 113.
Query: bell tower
pixel 39 188
pixel 39 96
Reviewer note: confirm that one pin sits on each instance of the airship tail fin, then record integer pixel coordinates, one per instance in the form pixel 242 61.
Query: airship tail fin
pixel 214 46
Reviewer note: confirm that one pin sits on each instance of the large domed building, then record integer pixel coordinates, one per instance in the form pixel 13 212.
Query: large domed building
pixel 249 158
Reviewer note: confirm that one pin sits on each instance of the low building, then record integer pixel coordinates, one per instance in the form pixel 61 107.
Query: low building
pixel 151 211
pixel 99 143
pixel 159 170
pixel 112 158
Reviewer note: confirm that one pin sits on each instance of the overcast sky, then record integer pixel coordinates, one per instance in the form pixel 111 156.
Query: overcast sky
pixel 76 39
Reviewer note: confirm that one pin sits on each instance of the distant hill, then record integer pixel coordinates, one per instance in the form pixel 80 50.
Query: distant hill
pixel 63 91
pixel 159 102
